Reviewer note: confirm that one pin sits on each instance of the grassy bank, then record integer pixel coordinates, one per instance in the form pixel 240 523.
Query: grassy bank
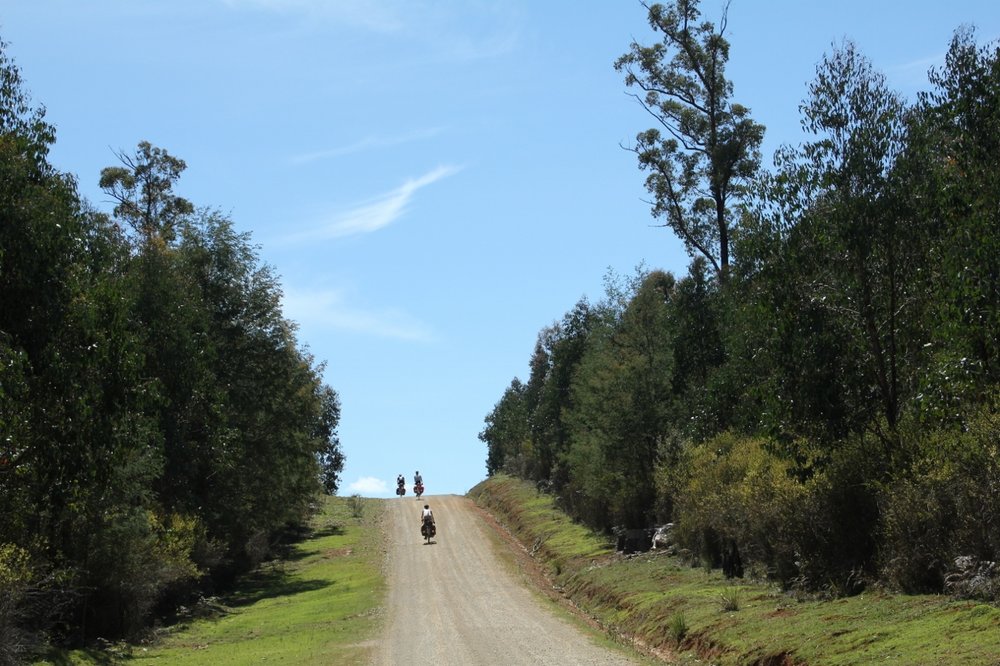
pixel 319 606
pixel 693 615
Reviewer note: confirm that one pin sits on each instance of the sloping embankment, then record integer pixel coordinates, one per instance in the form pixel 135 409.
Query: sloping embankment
pixel 688 614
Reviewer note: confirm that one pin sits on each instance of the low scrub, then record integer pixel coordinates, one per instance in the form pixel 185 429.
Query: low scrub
pixel 739 506
pixel 941 520
pixel 734 494
pixel 16 583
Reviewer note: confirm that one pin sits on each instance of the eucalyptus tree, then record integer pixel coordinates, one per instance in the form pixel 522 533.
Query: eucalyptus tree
pixel 560 350
pixel 705 148
pixel 506 432
pixel 837 207
pixel 37 206
pixel 79 451
pixel 142 187
pixel 956 185
pixel 621 409
pixel 248 427
pixel 330 454
pixel 169 306
pixel 695 322
pixel 254 434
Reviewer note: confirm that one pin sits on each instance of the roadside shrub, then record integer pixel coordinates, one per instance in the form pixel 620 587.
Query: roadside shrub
pixel 832 530
pixel 16 642
pixel 135 559
pixel 32 597
pixel 357 505
pixel 946 509
pixel 733 491
pixel 815 534
pixel 917 529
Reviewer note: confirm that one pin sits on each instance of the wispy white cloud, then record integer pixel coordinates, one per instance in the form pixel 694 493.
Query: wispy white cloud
pixel 498 39
pixel 914 72
pixel 329 310
pixel 374 15
pixel 369 485
pixel 922 64
pixel 459 31
pixel 367 143
pixel 373 215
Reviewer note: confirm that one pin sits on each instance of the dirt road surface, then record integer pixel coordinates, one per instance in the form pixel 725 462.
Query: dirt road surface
pixel 452 602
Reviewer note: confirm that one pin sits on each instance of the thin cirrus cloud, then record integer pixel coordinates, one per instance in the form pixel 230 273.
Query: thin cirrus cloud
pixel 374 215
pixel 486 29
pixel 329 310
pixel 914 73
pixel 368 143
pixel 375 15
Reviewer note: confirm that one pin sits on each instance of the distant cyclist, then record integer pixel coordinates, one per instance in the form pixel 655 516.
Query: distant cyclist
pixel 427 527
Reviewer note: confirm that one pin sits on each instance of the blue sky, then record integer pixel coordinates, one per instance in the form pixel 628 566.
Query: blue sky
pixel 434 182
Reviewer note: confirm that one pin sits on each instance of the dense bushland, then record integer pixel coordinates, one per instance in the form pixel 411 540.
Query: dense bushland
pixel 820 391
pixel 160 426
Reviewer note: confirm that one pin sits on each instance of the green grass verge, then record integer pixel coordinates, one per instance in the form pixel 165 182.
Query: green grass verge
pixel 320 606
pixel 654 597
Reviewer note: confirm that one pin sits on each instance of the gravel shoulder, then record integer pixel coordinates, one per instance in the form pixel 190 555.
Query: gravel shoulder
pixel 453 602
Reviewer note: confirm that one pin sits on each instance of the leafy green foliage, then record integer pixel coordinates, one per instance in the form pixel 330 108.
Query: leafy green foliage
pixel 506 432
pixel 731 489
pixel 16 575
pixel 954 150
pixel 861 248
pixel 945 507
pixel 621 403
pixel 159 424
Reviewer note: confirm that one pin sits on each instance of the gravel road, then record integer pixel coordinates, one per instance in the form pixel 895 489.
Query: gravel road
pixel 454 602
